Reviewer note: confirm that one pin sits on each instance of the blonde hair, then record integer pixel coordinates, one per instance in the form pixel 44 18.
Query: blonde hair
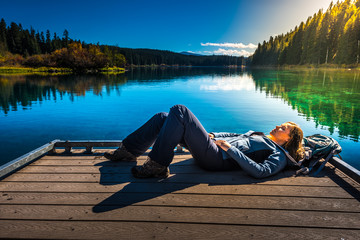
pixel 294 145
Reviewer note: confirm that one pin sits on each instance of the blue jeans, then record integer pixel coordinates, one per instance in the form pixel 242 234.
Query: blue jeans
pixel 166 130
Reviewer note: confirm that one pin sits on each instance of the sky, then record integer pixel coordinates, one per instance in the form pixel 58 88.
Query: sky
pixel 208 27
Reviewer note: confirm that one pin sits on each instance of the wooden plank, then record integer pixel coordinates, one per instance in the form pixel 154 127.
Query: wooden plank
pixel 184 158
pixel 121 167
pixel 125 168
pixel 83 161
pixel 150 230
pixel 202 188
pixel 51 161
pixel 186 200
pixel 179 160
pixel 256 217
pixel 233 178
pixel 96 151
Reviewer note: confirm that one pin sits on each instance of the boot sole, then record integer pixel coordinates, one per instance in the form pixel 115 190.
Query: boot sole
pixel 163 174
pixel 110 157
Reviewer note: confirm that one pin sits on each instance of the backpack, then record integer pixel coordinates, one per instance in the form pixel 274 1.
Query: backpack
pixel 317 148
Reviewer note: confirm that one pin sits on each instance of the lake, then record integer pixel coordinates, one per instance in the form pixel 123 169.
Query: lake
pixel 36 109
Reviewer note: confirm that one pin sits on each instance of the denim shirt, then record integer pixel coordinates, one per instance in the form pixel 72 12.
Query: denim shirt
pixel 256 154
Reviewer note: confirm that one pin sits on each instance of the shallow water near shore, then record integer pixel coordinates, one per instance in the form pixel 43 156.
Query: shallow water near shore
pixel 37 109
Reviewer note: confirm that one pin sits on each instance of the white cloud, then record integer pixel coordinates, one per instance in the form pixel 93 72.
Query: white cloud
pixel 229 83
pixel 222 51
pixel 230 52
pixel 230 45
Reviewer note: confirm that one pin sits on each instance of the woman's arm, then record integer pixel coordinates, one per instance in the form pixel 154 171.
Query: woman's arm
pixel 272 165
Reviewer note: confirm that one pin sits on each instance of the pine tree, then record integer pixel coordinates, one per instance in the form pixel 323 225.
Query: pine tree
pixel 56 43
pixel 49 47
pixel 3 42
pixel 326 37
pixel 34 46
pixel 2 31
pixel 14 38
pixel 65 39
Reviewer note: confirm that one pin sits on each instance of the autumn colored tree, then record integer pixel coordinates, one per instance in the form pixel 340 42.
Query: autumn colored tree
pixel 80 59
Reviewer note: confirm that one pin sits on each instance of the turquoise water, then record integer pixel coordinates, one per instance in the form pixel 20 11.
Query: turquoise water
pixel 37 109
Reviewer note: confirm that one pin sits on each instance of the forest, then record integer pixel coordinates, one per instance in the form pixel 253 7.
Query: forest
pixel 30 48
pixel 147 57
pixel 327 37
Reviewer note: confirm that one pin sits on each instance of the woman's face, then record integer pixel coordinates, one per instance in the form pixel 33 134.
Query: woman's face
pixel 281 133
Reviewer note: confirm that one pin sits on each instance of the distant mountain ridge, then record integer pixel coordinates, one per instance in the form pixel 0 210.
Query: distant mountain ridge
pixel 147 57
pixel 190 53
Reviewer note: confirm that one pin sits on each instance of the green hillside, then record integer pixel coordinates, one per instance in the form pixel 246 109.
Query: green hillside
pixel 328 37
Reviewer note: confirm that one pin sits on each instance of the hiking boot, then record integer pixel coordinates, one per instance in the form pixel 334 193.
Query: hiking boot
pixel 150 169
pixel 120 154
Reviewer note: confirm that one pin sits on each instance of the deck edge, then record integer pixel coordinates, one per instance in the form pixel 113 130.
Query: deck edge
pixel 349 170
pixel 27 158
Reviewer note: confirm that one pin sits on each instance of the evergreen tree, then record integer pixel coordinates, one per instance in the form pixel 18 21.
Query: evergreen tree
pixel 3 42
pixel 14 38
pixel 48 42
pixel 34 46
pixel 56 42
pixel 65 39
pixel 42 43
pixel 326 37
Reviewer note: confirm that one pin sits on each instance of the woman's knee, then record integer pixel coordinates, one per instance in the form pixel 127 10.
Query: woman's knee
pixel 180 110
pixel 161 115
pixel 158 119
pixel 179 107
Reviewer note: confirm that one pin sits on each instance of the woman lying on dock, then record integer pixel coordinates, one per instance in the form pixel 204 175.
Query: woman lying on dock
pixel 258 155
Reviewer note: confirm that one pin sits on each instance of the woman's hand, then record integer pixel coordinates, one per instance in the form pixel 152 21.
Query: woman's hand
pixel 223 144
pixel 211 135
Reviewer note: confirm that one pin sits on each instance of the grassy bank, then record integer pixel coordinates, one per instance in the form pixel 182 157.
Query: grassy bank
pixel 54 70
pixel 25 70
pixel 112 70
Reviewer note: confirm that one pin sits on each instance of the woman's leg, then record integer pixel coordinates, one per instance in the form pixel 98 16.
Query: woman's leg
pixel 181 125
pixel 140 140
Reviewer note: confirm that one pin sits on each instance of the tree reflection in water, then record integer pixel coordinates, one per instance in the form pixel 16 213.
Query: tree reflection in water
pixel 329 98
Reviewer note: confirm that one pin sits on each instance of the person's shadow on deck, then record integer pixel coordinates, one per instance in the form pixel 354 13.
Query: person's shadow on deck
pixel 184 174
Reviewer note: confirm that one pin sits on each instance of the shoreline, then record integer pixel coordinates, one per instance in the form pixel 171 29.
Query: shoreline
pixel 55 70
pixel 118 70
pixel 334 67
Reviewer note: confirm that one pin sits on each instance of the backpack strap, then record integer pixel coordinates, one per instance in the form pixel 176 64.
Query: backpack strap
pixel 303 170
pixel 287 155
pixel 326 160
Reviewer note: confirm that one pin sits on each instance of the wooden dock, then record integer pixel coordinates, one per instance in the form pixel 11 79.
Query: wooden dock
pixel 84 196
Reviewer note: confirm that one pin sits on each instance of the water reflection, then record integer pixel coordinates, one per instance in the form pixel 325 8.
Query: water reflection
pixel 230 83
pixel 329 98
pixel 23 90
pixel 168 74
